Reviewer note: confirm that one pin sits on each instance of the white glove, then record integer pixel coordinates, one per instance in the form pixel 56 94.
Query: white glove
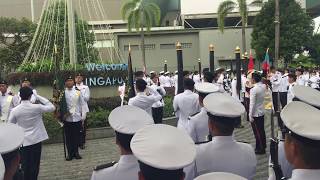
pixel 251 119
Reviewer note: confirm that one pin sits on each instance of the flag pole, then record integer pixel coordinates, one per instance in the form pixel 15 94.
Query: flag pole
pixel 131 92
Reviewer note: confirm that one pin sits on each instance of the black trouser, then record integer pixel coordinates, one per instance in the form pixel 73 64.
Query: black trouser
pixel 283 99
pixel 259 133
pixel 246 106
pixel 31 156
pixel 83 133
pixel 157 114
pixel 72 131
pixel 275 100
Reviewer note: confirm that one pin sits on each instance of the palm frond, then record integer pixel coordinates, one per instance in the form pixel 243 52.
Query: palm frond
pixel 243 10
pixel 257 3
pixel 156 13
pixel 223 10
pixel 137 21
pixel 127 8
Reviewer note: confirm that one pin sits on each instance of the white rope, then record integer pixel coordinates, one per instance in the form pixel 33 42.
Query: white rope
pixel 80 36
pixel 93 29
pixel 39 39
pixel 111 35
pixel 103 35
pixel 35 34
pixel 64 35
pixel 56 35
pixel 83 30
pixel 46 46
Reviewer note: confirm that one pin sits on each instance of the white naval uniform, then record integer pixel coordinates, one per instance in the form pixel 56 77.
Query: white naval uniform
pixel 185 104
pixel 162 80
pixel 160 103
pixel 314 82
pixel 257 94
pixel 284 83
pixel 167 81
pixel 127 168
pixel 29 117
pixel 223 154
pixel 276 81
pixel 6 105
pixel 145 102
pixel 85 93
pixel 75 104
pixel 305 174
pixel 17 99
pixel 301 80
pixel 175 79
pixel 196 78
pixel 198 126
pixel 290 95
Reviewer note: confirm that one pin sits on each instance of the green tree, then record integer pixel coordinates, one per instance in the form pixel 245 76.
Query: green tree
pixel 226 7
pixel 314 48
pixel 53 31
pixel 296 29
pixel 15 38
pixel 141 14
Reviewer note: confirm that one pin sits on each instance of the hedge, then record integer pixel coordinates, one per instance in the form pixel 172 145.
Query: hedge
pixel 98 115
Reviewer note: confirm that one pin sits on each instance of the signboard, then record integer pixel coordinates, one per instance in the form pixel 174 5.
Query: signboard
pixel 105 74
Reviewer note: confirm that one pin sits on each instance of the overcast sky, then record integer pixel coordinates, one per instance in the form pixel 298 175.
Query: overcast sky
pixel 317 21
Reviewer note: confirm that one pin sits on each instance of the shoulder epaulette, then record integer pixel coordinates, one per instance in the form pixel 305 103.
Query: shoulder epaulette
pixel 104 166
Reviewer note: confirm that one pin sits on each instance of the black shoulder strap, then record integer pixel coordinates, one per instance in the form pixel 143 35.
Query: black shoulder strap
pixel 104 166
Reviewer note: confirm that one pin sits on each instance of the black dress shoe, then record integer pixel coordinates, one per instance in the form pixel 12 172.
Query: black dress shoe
pixel 77 156
pixel 69 158
pixel 82 146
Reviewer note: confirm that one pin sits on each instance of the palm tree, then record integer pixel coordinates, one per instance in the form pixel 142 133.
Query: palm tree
pixel 141 14
pixel 226 7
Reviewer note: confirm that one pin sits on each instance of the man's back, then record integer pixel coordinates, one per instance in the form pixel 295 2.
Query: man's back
pixel 199 129
pixel 224 154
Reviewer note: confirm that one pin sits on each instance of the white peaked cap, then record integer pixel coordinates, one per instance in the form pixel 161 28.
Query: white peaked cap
pixel 161 72
pixel 163 147
pixel 222 104
pixel 151 72
pixel 307 94
pixel 302 119
pixel 129 119
pixel 2 168
pixel 206 87
pixel 11 137
pixel 220 176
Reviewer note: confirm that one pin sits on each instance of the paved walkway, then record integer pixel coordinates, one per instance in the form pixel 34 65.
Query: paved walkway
pixel 102 151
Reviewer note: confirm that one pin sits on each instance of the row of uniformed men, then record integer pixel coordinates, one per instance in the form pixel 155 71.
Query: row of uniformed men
pixel 154 152
pixel 28 115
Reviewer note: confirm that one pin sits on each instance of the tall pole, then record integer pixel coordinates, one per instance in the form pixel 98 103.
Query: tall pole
pixel 32 10
pixel 277 34
pixel 131 92
pixel 165 69
pixel 238 72
pixel 200 67
pixel 72 34
pixel 211 57
pixel 245 63
pixel 180 68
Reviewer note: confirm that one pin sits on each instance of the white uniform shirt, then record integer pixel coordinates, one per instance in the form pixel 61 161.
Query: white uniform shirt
pixel 223 154
pixel 284 83
pixel 307 174
pixel 167 81
pixel 162 80
pixel 76 105
pixel 301 80
pixel 141 100
pixel 85 92
pixel 17 99
pixel 290 94
pixel 198 124
pixel 257 95
pixel 29 117
pixel 196 78
pixel 185 104
pixel 162 93
pixel 175 79
pixel 127 168
pixel 276 81
pixel 6 105
pixel 314 81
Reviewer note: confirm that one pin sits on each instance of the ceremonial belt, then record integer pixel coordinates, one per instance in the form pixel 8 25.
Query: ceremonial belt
pixel 5 110
pixel 74 102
